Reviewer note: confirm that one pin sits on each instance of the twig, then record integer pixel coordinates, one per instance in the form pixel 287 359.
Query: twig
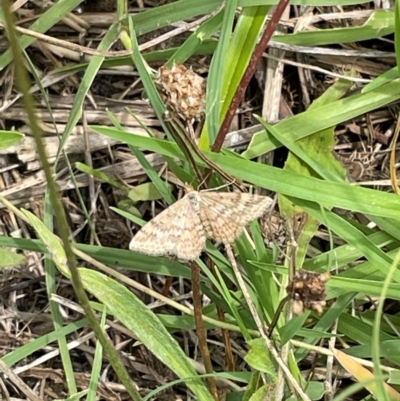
pixel 18 382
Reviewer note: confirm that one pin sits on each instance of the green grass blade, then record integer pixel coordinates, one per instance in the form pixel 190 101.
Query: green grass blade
pixel 46 20
pixel 214 81
pixel 345 196
pixel 9 138
pixel 38 344
pixel 125 306
pixel 237 57
pixel 87 80
pixel 97 364
pixel 58 321
pixel 309 122
pixel 351 235
pixel 195 40
pixel 380 23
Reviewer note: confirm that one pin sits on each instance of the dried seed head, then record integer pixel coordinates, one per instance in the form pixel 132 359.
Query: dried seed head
pixel 183 91
pixel 307 291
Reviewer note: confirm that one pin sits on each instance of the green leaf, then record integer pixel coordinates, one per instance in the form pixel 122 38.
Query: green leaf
pixel 9 138
pixel 311 156
pixel 163 189
pixel 346 254
pixel 343 195
pixel 397 33
pixel 394 377
pixel 97 363
pixel 90 74
pixel 259 357
pixel 51 241
pixel 388 349
pixel 368 286
pixel 214 81
pixel 146 192
pixel 351 235
pixel 265 392
pixel 37 344
pixel 113 257
pixel 386 77
pixel 315 390
pixel 136 316
pixel 46 20
pixel 379 24
pixel 195 41
pixel 309 122
pixel 358 330
pixel 10 258
pixel 236 59
pixel 100 175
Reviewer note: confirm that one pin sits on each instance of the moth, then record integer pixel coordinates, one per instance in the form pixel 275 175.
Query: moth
pixel 181 230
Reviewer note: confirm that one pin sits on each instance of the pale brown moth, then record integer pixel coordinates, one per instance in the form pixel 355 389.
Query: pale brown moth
pixel 181 230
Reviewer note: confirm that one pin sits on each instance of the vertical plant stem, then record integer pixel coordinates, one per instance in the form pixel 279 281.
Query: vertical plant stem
pixel 230 363
pixel 260 326
pixel 23 83
pixel 201 332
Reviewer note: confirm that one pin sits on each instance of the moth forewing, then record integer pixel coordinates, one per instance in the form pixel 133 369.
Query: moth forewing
pixel 177 231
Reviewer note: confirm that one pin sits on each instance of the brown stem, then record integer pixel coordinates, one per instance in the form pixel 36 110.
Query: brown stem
pixel 276 315
pixel 201 332
pixel 230 363
pixel 167 286
pixel 251 68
